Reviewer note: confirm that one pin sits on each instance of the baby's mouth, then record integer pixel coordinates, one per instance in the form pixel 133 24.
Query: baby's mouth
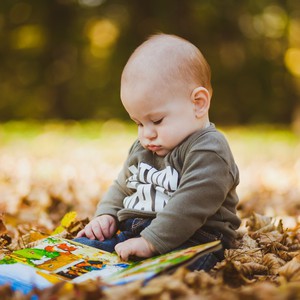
pixel 153 148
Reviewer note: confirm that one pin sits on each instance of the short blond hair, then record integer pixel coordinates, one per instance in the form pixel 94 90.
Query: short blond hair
pixel 179 57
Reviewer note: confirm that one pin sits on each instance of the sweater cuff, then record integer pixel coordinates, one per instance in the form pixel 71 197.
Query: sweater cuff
pixel 158 244
pixel 108 211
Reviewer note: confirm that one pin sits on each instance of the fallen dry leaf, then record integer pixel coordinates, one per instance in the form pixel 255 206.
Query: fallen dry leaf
pixel 3 229
pixel 291 271
pixel 273 263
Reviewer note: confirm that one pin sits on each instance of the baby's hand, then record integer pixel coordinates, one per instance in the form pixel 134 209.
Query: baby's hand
pixel 101 228
pixel 136 246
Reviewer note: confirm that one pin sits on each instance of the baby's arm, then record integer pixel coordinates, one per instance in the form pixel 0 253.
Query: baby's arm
pixel 136 246
pixel 100 228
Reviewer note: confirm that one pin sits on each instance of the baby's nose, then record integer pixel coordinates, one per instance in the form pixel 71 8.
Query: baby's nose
pixel 149 132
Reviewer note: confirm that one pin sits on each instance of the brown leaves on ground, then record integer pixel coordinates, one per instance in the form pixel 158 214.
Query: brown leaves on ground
pixel 26 235
pixel 265 253
pixel 265 264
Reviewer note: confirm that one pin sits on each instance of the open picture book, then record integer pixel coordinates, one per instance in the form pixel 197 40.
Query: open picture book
pixel 55 259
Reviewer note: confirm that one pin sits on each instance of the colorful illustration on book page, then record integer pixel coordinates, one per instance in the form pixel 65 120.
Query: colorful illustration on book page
pixel 89 269
pixel 80 269
pixel 48 259
pixel 52 254
pixel 80 250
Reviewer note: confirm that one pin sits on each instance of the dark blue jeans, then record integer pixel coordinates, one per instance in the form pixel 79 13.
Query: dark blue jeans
pixel 131 228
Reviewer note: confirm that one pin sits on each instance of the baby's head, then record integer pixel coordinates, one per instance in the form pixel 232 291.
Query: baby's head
pixel 166 90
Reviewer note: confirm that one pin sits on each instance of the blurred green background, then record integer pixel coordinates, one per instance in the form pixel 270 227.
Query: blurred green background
pixel 62 59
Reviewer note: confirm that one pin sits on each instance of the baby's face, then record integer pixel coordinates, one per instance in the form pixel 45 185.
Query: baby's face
pixel 164 114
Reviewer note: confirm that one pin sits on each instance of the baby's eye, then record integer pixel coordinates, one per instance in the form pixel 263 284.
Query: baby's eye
pixel 138 123
pixel 157 122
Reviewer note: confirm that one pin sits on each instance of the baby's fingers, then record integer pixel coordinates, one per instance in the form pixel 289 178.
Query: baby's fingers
pixel 98 233
pixel 123 252
pixel 81 233
pixel 89 232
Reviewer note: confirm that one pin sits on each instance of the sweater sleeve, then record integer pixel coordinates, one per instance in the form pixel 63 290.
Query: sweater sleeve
pixel 112 201
pixel 205 182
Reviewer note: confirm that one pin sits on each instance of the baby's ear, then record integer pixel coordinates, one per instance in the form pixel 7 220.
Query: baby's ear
pixel 201 99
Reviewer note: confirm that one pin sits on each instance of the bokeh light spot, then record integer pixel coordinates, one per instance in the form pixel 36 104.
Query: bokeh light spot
pixel 90 3
pixel 28 36
pixel 103 35
pixel 292 61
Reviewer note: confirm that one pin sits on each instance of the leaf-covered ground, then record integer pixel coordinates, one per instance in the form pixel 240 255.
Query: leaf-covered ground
pixel 47 170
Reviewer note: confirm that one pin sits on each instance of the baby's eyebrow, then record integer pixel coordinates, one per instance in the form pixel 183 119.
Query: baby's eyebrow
pixel 155 114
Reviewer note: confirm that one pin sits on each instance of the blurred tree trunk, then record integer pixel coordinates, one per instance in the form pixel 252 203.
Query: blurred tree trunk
pixel 59 21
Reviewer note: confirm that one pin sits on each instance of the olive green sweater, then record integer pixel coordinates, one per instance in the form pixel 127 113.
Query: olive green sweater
pixel 193 185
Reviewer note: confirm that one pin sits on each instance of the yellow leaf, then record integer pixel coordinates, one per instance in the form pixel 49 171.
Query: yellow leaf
pixel 58 230
pixel 66 221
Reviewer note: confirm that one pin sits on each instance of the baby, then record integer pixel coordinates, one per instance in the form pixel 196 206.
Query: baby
pixel 178 185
